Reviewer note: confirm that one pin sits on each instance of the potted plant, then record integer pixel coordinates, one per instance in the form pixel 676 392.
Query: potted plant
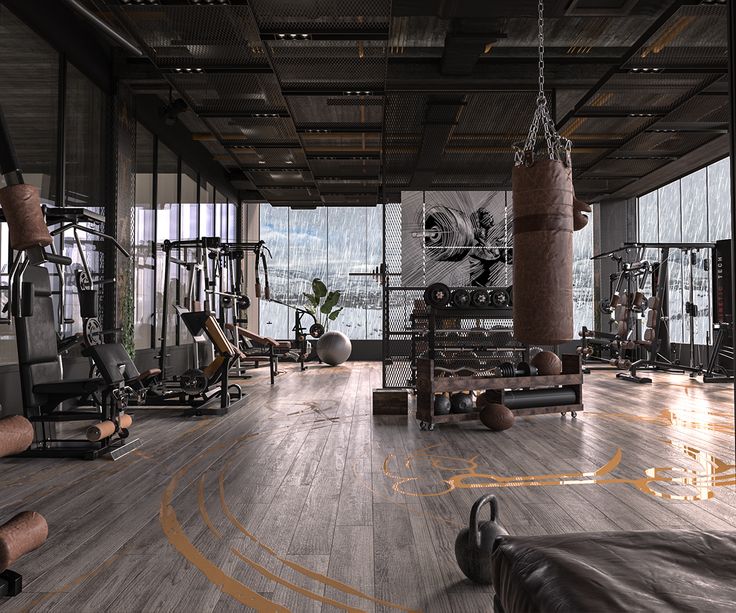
pixel 333 348
pixel 322 304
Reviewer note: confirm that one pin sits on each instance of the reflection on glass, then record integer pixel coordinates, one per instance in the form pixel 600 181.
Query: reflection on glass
pixel 276 320
pixel 206 210
pixel 232 222
pixel 719 200
pixel 582 277
pixel 347 253
pixel 167 227
pixel 143 247
pixel 374 257
pixel 189 207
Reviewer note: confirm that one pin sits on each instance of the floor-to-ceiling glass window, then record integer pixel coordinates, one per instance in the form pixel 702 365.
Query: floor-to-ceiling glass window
pixel 693 209
pixel 167 228
pixel 29 99
pixel 206 209
pixel 329 243
pixel 189 203
pixel 276 320
pixel 143 245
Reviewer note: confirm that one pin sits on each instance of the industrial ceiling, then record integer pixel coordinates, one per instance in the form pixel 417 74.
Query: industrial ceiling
pixel 349 102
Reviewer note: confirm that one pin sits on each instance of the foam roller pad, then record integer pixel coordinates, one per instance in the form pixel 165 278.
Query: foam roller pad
pixel 22 207
pixel 24 533
pixel 16 435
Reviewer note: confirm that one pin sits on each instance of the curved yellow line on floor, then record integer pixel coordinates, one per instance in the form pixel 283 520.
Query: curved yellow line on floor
pixel 175 533
pixel 203 510
pixel 293 586
pixel 347 589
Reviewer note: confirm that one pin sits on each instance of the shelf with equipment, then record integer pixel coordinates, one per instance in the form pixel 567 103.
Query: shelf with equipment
pixel 459 358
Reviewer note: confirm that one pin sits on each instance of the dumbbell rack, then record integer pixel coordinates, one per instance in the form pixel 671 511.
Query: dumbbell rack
pixel 430 379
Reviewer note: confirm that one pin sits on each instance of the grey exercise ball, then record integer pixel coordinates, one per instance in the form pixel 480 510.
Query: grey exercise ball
pixel 334 348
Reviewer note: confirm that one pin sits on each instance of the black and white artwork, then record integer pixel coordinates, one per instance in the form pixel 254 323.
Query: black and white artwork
pixel 456 237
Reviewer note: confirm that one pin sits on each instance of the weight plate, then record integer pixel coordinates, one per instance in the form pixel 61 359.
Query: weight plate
pixel 480 298
pixel 193 381
pixel 437 295
pixel 243 302
pixel 461 298
pixel 499 298
pixel 605 306
pixel 316 330
pixel 92 331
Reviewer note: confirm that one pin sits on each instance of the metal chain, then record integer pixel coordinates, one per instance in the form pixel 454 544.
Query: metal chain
pixel 557 146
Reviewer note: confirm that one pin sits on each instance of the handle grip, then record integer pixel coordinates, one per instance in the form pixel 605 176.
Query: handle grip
pixel 474 533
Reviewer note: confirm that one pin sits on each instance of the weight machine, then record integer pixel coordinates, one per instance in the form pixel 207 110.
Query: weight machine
pixel 656 339
pixel 196 386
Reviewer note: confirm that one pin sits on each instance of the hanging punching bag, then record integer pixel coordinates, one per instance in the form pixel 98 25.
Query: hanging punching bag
pixel 542 228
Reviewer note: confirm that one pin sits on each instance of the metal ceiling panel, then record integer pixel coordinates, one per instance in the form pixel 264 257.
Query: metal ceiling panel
pixel 231 93
pixel 196 35
pixel 297 16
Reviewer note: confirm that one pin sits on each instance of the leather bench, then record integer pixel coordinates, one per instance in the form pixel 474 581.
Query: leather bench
pixel 672 570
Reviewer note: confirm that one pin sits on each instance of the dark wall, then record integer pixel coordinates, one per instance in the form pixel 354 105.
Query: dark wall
pixel 615 223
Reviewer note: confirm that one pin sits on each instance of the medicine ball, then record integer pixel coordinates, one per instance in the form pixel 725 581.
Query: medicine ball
pixel 497 417
pixel 547 363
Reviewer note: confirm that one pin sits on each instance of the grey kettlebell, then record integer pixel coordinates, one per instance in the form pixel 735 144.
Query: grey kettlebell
pixel 474 545
pixel 442 405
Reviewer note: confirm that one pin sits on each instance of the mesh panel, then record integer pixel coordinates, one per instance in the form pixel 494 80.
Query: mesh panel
pixel 349 65
pixel 701 108
pixel 625 168
pixel 271 157
pixel 196 36
pixel 695 36
pixel 644 92
pixel 237 93
pixel 320 111
pixel 323 16
pixel 665 143
pixel 271 130
pixel 345 168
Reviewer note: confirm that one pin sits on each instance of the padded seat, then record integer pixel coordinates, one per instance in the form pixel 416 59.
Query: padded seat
pixel 69 388
pixel 671 570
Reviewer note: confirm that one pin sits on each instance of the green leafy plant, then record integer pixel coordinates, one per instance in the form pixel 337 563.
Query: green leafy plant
pixel 322 304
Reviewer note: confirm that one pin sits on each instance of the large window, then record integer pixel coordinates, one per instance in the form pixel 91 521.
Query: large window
pixel 172 203
pixel 144 244
pixel 167 228
pixel 693 209
pixel 329 243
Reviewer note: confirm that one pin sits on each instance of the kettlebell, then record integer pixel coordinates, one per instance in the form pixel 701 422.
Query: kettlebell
pixel 474 545
pixel 441 405
pixel 461 403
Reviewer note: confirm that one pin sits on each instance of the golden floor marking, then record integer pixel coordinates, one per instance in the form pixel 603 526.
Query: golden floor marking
pixel 293 565
pixel 203 509
pixel 175 534
pixel 293 586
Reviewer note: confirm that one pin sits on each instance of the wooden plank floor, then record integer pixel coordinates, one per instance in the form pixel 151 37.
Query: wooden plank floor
pixel 299 499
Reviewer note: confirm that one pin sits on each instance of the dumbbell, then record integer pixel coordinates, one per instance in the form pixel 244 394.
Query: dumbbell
pixel 480 298
pixel 522 369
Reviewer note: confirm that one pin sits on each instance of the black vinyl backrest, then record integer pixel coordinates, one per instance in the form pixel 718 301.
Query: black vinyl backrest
pixel 38 355
pixel 113 362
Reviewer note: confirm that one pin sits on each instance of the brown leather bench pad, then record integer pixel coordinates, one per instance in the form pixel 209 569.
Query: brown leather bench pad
pixel 677 570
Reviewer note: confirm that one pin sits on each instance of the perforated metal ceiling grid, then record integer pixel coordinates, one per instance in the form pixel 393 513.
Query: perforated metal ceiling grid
pixel 196 36
pixel 274 83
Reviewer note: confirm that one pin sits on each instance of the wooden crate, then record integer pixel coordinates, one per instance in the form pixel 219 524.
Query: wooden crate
pixel 390 401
